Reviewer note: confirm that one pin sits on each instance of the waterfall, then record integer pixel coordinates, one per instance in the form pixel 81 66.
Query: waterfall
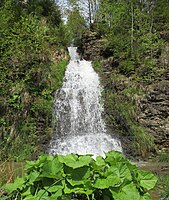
pixel 78 109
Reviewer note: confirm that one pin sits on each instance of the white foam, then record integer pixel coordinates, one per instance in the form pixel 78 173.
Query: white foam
pixel 78 111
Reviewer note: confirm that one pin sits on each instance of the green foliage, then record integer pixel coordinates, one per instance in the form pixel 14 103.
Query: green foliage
pixel 30 31
pixel 130 28
pixel 75 27
pixel 163 157
pixel 164 181
pixel 120 98
pixel 143 142
pixel 133 31
pixel 161 15
pixel 127 67
pixel 81 177
pixel 59 74
pixel 97 65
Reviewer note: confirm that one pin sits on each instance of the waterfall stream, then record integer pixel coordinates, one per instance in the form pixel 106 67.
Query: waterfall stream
pixel 78 109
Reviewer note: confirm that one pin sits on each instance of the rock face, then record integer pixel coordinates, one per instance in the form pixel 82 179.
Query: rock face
pixel 154 111
pixel 91 46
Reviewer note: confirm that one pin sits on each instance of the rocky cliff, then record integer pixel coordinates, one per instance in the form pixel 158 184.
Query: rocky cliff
pixel 92 46
pixel 154 111
pixel 130 105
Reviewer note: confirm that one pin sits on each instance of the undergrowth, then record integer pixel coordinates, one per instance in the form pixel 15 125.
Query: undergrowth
pixel 120 101
pixel 81 177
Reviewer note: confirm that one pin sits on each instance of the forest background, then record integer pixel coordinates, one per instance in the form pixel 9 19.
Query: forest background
pixel 33 58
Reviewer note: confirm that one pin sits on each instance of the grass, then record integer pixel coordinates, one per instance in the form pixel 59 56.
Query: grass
pixel 163 157
pixel 163 185
pixel 9 170
pixel 163 175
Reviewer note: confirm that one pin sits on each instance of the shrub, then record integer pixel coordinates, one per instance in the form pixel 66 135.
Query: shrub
pixel 81 177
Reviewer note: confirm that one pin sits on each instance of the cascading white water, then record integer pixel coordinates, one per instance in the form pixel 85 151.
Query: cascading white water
pixel 80 127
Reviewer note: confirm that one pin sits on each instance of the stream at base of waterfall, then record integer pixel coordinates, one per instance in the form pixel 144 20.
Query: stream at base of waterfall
pixel 78 109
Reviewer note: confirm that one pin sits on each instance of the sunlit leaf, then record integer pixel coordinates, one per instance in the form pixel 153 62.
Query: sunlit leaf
pixel 120 170
pixel 52 169
pixel 33 176
pixel 78 176
pixel 27 192
pixel 18 184
pixel 147 179
pixel 99 163
pixel 146 196
pixel 75 161
pixel 113 157
pixel 103 183
pixel 127 192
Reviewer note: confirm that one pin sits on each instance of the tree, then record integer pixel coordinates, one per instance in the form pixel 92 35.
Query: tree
pixel 41 8
pixel 161 15
pixel 87 8
pixel 75 26
pixel 28 76
pixel 130 29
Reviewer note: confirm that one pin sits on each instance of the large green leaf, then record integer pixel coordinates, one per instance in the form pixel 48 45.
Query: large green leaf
pixel 127 192
pixel 67 158
pixel 52 169
pixel 79 189
pixel 75 161
pixel 147 179
pixel 35 164
pixel 113 157
pixel 99 163
pixel 119 170
pixel 33 176
pixel 146 196
pixel 77 176
pixel 103 183
pixel 54 188
pixel 124 172
pixel 18 184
